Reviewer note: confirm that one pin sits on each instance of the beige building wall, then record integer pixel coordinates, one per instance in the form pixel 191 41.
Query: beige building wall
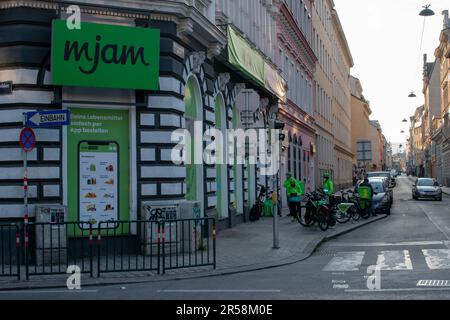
pixel 377 146
pixel 360 113
pixel 323 87
pixel 342 62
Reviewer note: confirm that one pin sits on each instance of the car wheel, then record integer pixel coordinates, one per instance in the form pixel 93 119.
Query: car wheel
pixel 388 211
pixel 440 199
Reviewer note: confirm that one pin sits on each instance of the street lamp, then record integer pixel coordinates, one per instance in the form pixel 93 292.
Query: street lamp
pixel 412 95
pixel 404 120
pixel 426 12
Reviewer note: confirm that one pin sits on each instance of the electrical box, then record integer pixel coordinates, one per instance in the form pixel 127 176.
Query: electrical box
pixel 51 237
pixel 181 235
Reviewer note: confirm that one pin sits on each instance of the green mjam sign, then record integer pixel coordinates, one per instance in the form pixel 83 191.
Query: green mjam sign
pixel 100 55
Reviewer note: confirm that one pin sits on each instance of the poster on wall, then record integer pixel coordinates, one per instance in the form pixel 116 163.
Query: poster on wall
pixel 98 181
pixel 98 188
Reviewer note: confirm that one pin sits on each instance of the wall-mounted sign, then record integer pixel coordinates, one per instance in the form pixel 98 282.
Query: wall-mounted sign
pixel 54 118
pixel 109 56
pixel 98 166
pixel 5 87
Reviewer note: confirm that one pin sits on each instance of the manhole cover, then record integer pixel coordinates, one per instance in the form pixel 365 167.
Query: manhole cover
pixel 433 283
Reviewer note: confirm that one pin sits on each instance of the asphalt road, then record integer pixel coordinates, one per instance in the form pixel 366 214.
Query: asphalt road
pixel 411 249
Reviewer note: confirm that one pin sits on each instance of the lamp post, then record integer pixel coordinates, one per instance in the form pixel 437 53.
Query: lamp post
pixel 426 12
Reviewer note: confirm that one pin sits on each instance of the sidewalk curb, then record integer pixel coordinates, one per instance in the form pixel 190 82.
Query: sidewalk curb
pixel 307 252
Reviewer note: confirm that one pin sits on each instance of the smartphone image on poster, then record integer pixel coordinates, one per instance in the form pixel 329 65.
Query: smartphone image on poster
pixel 98 182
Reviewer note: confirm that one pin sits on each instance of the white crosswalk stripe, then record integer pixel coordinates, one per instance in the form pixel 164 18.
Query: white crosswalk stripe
pixel 437 259
pixel 394 260
pixel 398 260
pixel 345 261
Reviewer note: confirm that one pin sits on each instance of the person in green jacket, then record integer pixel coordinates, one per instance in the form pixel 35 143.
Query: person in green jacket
pixel 328 187
pixel 294 190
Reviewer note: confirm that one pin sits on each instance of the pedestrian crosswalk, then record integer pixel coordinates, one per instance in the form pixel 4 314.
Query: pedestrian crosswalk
pixel 396 260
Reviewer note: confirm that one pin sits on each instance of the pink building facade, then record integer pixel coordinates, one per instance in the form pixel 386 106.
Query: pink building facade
pixel 297 60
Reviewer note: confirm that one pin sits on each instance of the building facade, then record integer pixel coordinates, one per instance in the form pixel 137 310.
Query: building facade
pixel 323 87
pixel 297 61
pixel 361 137
pixel 441 124
pixel 432 112
pixel 417 138
pixel 196 84
pixel 342 62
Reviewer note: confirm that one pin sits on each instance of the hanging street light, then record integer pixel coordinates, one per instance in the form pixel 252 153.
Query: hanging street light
pixel 404 120
pixel 412 95
pixel 426 12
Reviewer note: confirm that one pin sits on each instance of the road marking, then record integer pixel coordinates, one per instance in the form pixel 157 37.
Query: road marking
pixel 345 261
pixel 433 283
pixel 397 290
pixel 48 291
pixel 437 259
pixel 219 291
pixel 388 244
pixel 394 260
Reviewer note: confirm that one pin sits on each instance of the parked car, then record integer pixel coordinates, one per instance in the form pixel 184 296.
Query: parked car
pixel 381 200
pixel 427 188
pixel 383 174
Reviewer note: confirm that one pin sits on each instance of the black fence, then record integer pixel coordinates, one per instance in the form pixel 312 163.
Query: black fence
pixel 128 246
pixel 9 250
pixel 188 243
pixel 156 245
pixel 112 246
pixel 50 248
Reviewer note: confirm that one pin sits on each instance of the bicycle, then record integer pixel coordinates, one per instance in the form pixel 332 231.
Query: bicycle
pixel 363 206
pixel 346 209
pixel 257 209
pixel 316 211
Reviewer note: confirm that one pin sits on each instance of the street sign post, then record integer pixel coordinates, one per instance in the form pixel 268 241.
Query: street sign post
pixel 53 118
pixel 27 139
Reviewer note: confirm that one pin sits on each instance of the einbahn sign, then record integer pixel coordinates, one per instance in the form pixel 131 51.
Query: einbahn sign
pixel 54 118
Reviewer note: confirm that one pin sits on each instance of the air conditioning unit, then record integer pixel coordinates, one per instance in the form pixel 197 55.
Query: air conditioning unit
pixel 181 235
pixel 51 237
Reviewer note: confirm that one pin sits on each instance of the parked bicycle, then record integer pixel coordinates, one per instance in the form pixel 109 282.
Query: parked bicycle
pixel 362 205
pixel 345 209
pixel 316 211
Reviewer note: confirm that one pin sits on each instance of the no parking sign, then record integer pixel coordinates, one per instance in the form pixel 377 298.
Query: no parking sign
pixel 27 139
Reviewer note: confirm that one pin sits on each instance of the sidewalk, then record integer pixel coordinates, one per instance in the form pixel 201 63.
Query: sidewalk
pixel 246 247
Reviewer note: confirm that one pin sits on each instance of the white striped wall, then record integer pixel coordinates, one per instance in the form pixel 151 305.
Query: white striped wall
pixel 11 190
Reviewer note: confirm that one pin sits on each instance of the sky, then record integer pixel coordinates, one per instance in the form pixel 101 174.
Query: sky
pixel 384 39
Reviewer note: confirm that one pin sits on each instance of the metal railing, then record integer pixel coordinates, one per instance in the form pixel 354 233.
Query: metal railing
pixel 188 243
pixel 112 246
pixel 53 247
pixel 9 250
pixel 128 246
pixel 155 245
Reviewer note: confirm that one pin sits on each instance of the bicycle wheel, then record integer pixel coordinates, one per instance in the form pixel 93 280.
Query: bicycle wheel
pixel 343 217
pixel 354 213
pixel 322 220
pixel 305 219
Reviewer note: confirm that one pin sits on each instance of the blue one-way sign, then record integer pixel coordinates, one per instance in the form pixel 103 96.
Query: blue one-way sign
pixel 54 118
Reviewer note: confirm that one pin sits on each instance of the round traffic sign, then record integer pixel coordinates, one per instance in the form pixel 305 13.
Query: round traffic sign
pixel 27 139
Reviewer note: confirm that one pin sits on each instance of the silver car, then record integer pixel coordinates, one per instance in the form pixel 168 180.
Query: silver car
pixel 427 188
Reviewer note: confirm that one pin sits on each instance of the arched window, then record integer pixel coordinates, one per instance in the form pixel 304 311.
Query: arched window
pixel 294 150
pixel 221 155
pixel 194 172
